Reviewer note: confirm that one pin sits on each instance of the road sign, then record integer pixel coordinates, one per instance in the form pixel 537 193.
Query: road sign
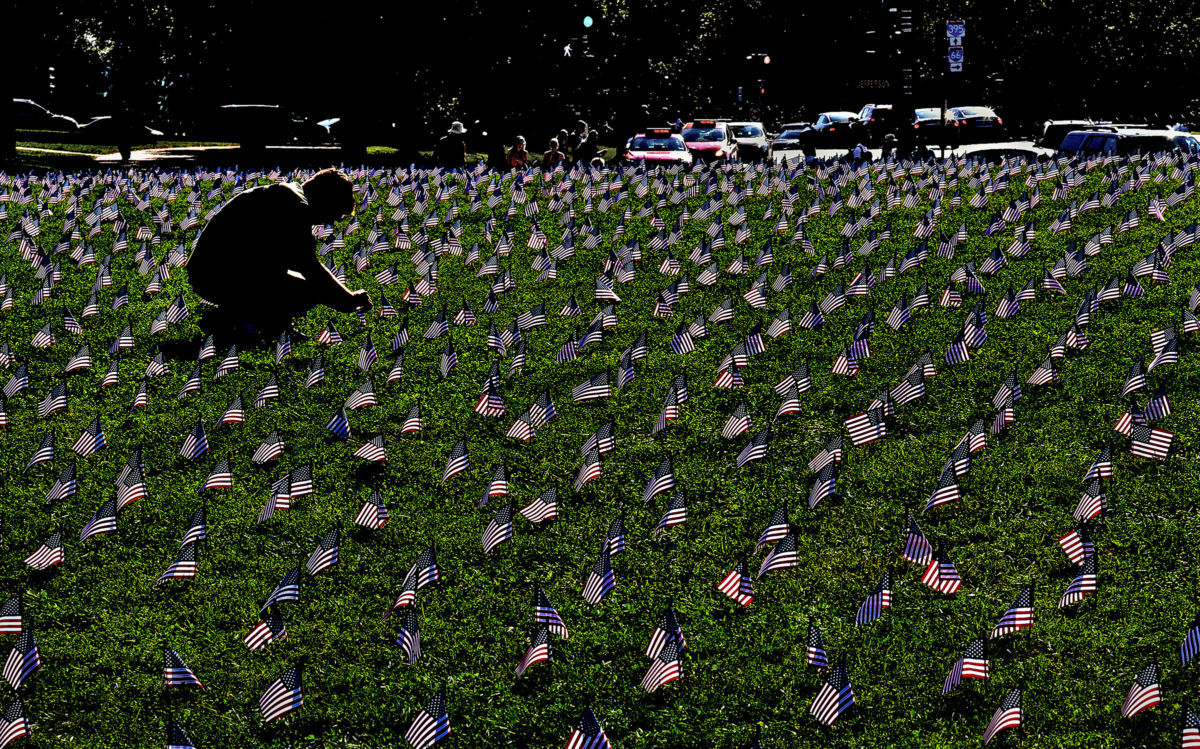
pixel 956 30
pixel 955 54
pixel 956 67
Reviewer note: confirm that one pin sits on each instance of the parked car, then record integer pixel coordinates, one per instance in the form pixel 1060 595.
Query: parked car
pixel 997 151
pixel 106 130
pixel 29 115
pixel 928 126
pixel 789 143
pixel 976 124
pixel 255 125
pixel 710 140
pixel 1124 141
pixel 1053 131
pixel 830 130
pixel 753 144
pixel 875 121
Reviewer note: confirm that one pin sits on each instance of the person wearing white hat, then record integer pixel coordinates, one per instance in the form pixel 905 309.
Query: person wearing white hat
pixel 451 149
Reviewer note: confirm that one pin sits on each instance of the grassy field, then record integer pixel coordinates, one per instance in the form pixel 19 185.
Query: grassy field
pixel 101 623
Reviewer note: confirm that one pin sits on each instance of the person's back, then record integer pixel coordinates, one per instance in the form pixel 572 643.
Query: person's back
pixel 450 151
pixel 248 234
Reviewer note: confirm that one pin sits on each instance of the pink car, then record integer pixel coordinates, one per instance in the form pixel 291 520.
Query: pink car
pixel 709 140
pixel 658 145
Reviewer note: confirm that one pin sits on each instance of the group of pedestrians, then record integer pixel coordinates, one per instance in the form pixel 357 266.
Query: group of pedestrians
pixel 581 145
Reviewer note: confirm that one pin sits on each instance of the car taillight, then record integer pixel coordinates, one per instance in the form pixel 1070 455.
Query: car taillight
pixel 999 120
pixel 831 129
pixel 916 126
pixel 956 123
pixel 871 120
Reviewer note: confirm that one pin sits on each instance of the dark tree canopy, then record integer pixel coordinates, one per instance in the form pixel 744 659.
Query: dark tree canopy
pixel 410 68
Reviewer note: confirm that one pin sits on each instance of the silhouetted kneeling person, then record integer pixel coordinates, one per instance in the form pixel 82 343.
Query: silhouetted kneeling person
pixel 256 260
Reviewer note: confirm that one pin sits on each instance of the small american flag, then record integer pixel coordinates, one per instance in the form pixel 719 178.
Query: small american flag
pixel 270 449
pixel 268 630
pixel 917 548
pixel 196 443
pixel 183 568
pixel 104 520
pixel 499 530
pixel 601 579
pixel 835 697
pixel 374 512
pixel 372 450
pixel 431 725
pixel 663 480
pixel 326 553
pixel 816 656
pixel 539 650
pixel 409 638
pixel 1008 715
pixel 176 673
pixel 14 724
pixel 1083 584
pixel 785 555
pixel 738 585
pixel 973 664
pixel 1145 692
pixel 666 668
pixel 879 600
pixel 177 738
pixel 284 695
pixel 10 617
pixel 23 660
pixel 1018 616
pixel 91 440
pixel 457 461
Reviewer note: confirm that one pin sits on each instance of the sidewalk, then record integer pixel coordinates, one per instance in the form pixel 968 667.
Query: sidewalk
pixel 178 154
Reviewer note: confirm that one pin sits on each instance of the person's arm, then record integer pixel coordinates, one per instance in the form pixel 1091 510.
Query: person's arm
pixel 328 290
pixel 302 259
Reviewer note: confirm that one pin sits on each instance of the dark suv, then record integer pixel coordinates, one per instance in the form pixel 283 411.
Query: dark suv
pixel 875 121
pixel 1128 140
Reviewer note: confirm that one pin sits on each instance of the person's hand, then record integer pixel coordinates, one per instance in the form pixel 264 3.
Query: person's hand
pixel 362 301
pixel 358 301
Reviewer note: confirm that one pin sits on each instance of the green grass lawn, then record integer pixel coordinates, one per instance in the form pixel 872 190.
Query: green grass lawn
pixel 101 623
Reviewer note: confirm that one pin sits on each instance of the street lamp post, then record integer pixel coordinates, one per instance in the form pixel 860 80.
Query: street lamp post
pixel 761 82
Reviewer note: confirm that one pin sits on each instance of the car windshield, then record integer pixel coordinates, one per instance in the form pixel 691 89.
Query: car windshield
pixel 642 143
pixel 927 114
pixel 703 135
pixel 746 131
pixel 789 135
pixel 1187 143
pixel 840 116
pixel 973 112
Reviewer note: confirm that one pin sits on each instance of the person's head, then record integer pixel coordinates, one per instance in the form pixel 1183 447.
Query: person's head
pixel 456 130
pixel 581 127
pixel 330 195
pixel 554 144
pixel 520 146
pixel 593 136
pixel 562 136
